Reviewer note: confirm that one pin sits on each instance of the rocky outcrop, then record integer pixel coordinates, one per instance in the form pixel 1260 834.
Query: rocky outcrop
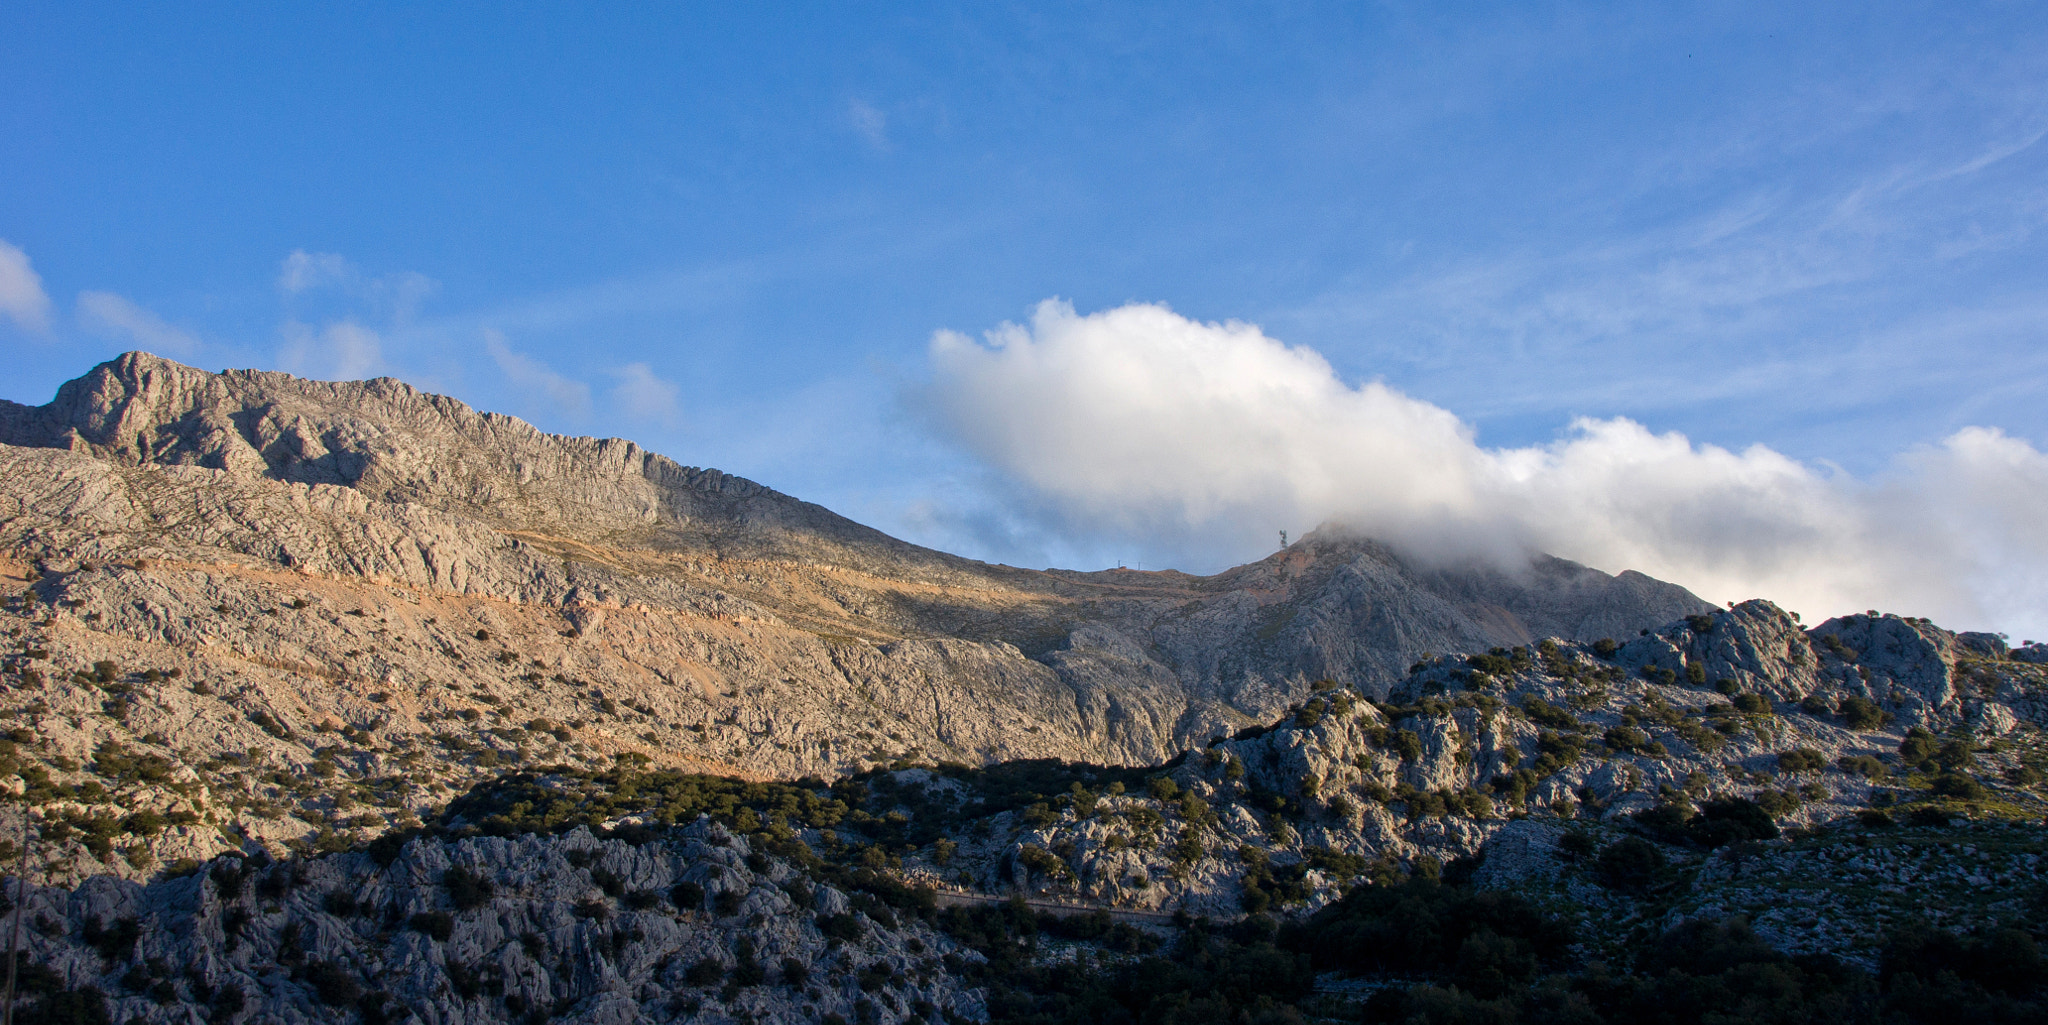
pixel 695 926
pixel 1470 753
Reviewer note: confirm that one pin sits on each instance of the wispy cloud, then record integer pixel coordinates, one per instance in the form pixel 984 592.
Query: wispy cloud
pixel 114 315
pixel 536 380
pixel 340 351
pixel 643 395
pixel 397 295
pixel 302 271
pixel 22 297
pixel 870 122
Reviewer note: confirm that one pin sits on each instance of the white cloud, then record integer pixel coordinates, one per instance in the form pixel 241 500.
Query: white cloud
pixel 303 271
pixel 869 121
pixel 22 297
pixel 537 379
pixel 642 395
pixel 342 351
pixel 398 295
pixel 1193 439
pixel 114 315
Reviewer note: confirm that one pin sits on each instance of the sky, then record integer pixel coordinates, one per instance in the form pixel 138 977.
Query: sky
pixel 1750 297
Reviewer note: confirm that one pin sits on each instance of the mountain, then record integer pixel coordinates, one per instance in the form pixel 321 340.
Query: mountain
pixel 375 562
pixel 343 702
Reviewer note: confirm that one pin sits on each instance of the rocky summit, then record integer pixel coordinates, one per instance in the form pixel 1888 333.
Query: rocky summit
pixel 331 702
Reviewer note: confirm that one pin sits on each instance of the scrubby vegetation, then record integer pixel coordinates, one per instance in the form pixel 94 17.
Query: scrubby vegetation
pixel 1443 953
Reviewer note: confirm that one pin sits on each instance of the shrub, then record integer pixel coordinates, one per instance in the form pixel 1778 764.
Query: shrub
pixel 708 972
pixel 1862 765
pixel 466 889
pixel 1626 738
pixel 1631 863
pixel 1861 713
pixel 1408 745
pixel 1605 647
pixel 335 985
pixel 1960 753
pixel 1754 704
pixel 727 903
pixel 1803 759
pixel 1492 665
pixel 1731 820
pixel 1716 824
pixel 687 896
pixel 1543 713
pixel 795 972
pixel 1959 786
pixel 437 925
pixel 1919 747
pixel 843 926
pixel 1778 803
pixel 340 903
pixel 1928 815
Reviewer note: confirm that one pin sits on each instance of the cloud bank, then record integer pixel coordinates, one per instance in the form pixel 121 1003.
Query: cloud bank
pixel 1205 439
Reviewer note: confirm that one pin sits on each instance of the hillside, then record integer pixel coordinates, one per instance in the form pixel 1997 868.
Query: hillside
pixel 330 606
pixel 1846 820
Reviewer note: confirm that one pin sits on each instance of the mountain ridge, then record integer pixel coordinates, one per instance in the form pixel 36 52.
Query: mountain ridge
pixel 752 628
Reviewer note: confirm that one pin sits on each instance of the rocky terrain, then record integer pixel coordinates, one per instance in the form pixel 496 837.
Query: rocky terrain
pixel 694 925
pixel 298 611
pixel 341 702
pixel 1864 719
pixel 1729 767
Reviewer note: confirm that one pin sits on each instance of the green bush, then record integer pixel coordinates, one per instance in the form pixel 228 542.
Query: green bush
pixel 438 925
pixel 708 972
pixel 1802 759
pixel 1543 713
pixel 1918 748
pixel 335 985
pixel 466 889
pixel 1861 713
pixel 1408 745
pixel 1631 864
pixel 1958 786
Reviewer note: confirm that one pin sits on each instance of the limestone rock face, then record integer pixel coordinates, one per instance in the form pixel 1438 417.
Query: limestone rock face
pixel 720 601
pixel 494 930
pixel 1907 662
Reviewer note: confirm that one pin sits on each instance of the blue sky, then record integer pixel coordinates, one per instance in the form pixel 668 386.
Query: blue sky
pixel 731 232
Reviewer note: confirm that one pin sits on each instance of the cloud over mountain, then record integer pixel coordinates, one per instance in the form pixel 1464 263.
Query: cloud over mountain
pixel 1140 422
